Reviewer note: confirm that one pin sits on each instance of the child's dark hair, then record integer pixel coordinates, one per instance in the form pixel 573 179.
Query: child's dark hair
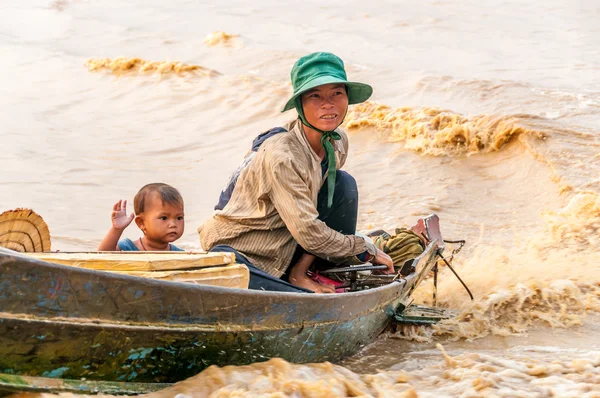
pixel 167 193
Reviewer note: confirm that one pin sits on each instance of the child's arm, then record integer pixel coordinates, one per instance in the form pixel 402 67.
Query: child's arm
pixel 120 221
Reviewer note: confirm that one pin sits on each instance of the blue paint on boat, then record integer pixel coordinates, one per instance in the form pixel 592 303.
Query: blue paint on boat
pixel 140 353
pixel 55 373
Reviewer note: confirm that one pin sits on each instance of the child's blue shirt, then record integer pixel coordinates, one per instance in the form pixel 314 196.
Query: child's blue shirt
pixel 128 245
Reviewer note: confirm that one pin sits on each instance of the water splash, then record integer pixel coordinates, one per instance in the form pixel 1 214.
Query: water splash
pixel 523 372
pixel 578 221
pixel 561 303
pixel 549 279
pixel 220 38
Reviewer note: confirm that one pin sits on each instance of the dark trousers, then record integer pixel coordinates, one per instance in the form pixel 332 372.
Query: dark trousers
pixel 343 213
pixel 342 217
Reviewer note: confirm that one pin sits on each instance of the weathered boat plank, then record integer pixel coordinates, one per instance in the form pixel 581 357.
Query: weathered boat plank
pixel 232 275
pixel 137 261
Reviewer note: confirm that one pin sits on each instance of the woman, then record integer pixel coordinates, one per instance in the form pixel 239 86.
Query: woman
pixel 288 203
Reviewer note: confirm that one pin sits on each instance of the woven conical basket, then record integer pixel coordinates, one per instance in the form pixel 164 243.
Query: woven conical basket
pixel 23 230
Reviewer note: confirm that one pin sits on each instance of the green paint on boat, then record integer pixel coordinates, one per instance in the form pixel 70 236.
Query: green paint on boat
pixel 12 383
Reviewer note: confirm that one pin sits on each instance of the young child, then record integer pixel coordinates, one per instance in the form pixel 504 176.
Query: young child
pixel 158 213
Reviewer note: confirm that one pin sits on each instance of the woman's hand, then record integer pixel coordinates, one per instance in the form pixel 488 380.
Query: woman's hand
pixel 120 219
pixel 384 259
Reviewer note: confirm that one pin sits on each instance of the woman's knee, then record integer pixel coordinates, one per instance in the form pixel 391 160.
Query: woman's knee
pixel 345 185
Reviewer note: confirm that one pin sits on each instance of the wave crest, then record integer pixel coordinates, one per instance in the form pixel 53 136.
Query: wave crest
pixel 438 132
pixel 123 65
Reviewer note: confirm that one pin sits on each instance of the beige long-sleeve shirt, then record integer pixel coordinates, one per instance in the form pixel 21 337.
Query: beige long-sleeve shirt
pixel 273 207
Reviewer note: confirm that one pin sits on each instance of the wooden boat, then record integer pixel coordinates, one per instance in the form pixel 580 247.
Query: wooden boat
pixel 66 328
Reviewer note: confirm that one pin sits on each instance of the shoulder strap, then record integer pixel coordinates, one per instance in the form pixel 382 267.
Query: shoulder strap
pixel 258 141
pixel 226 193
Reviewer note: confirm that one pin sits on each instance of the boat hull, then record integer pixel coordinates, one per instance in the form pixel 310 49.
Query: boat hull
pixel 117 352
pixel 64 322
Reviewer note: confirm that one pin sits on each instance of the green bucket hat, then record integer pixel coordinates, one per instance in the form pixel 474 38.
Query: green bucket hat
pixel 321 68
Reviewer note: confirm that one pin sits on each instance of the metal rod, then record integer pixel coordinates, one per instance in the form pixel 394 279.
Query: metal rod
pixel 435 272
pixel 455 274
pixel 455 241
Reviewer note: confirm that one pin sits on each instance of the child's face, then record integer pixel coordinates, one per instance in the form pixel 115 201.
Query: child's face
pixel 162 221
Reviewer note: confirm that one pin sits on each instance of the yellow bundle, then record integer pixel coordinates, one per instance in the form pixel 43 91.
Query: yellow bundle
pixel 403 246
pixel 24 230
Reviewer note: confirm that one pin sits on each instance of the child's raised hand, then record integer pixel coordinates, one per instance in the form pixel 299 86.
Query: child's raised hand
pixel 120 219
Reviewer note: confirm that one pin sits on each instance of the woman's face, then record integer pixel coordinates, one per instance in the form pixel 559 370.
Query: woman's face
pixel 325 106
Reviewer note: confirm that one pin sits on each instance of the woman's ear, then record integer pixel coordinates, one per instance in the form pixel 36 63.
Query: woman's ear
pixel 139 220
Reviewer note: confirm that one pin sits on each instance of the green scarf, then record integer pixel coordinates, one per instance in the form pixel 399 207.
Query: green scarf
pixel 326 137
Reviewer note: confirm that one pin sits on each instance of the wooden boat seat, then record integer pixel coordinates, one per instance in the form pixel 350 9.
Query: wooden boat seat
pixel 216 269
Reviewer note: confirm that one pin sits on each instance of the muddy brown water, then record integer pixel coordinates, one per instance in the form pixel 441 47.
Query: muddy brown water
pixel 485 113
